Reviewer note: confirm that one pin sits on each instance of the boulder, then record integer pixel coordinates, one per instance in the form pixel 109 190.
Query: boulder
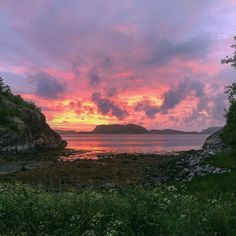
pixel 214 142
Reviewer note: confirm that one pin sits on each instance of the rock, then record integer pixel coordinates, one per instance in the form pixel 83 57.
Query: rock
pixel 190 165
pixel 189 179
pixel 191 174
pixel 23 168
pixel 23 127
pixel 198 169
pixel 214 143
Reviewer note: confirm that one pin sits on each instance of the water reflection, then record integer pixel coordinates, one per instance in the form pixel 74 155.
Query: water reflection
pixel 91 155
pixel 141 143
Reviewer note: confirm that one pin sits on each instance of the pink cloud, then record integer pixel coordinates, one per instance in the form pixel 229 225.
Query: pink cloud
pixel 133 53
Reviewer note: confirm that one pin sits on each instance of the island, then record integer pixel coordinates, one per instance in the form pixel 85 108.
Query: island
pixel 119 129
pixel 135 129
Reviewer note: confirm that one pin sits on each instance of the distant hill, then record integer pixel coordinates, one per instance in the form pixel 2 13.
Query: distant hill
pixel 170 131
pixel 66 132
pixel 119 129
pixel 135 129
pixel 211 130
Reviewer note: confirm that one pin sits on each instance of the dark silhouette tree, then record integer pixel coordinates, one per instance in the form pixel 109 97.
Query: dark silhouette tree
pixel 229 131
pixel 231 60
pixel 3 87
pixel 1 84
pixel 231 92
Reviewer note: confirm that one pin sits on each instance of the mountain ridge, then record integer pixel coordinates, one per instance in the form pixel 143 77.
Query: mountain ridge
pixel 125 129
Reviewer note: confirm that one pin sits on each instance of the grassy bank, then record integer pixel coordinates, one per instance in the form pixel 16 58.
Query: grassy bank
pixel 207 206
pixel 213 185
pixel 136 211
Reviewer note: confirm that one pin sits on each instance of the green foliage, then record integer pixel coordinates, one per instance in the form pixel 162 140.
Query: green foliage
pixel 231 60
pixel 132 211
pixel 3 87
pixel 229 131
pixel 1 84
pixel 214 185
pixel 223 160
pixel 231 92
pixel 207 206
pixel 10 106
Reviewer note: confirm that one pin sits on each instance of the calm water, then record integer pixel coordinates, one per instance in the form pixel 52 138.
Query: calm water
pixel 135 143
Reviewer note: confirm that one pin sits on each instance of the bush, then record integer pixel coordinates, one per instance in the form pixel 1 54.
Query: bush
pixel 10 105
pixel 229 131
pixel 167 211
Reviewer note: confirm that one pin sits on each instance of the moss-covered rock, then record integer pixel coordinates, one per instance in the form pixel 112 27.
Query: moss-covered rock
pixel 23 127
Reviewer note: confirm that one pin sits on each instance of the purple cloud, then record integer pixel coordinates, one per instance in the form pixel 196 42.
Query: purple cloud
pixel 106 106
pixel 47 86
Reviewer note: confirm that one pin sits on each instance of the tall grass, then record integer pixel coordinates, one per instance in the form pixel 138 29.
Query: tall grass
pixel 26 210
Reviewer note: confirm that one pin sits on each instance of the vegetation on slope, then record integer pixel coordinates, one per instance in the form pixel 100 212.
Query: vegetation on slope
pixel 23 127
pixel 9 106
pixel 229 131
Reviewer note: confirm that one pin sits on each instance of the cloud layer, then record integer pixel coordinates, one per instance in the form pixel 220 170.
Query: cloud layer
pixel 155 63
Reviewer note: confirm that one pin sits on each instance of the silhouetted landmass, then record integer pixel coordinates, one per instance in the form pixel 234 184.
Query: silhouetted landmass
pixel 67 132
pixel 211 130
pixel 170 131
pixel 119 129
pixel 135 129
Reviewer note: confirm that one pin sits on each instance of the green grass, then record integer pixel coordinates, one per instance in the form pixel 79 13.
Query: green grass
pixel 217 184
pixel 225 160
pixel 10 108
pixel 207 206
pixel 130 211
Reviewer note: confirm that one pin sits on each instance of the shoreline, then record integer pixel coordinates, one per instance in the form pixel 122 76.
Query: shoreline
pixel 65 168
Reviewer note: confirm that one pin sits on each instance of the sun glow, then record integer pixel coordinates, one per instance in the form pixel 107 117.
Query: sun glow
pixel 76 121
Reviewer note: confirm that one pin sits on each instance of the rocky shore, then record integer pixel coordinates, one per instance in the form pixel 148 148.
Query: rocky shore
pixel 184 165
pixel 97 169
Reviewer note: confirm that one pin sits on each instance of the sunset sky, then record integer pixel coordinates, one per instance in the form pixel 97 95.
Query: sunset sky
pixel 151 62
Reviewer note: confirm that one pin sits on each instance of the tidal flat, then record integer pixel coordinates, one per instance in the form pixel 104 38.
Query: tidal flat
pixel 61 170
pixel 80 169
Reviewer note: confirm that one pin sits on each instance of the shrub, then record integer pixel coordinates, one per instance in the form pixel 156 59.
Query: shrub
pixel 10 105
pixel 229 131
pixel 164 210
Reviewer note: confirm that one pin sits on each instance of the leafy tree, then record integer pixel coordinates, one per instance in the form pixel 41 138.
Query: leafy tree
pixel 231 60
pixel 1 84
pixel 231 91
pixel 229 131
pixel 3 87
